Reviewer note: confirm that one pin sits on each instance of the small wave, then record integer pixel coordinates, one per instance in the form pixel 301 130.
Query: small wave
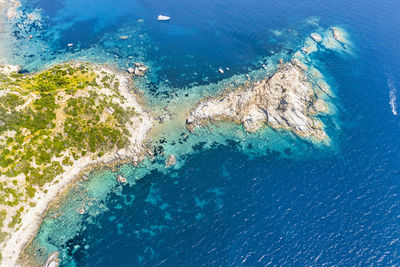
pixel 392 97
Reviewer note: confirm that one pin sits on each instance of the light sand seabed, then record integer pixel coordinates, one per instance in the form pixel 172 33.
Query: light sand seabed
pixel 8 11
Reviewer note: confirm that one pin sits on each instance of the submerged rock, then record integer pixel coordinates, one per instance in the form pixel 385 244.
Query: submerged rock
pixel 285 100
pixel 310 46
pixel 336 38
pixel 338 34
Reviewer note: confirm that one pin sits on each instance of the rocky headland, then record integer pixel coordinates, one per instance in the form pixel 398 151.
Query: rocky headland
pixel 286 100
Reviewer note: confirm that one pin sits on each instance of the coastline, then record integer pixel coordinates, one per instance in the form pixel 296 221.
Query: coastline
pixel 136 152
pixel 31 220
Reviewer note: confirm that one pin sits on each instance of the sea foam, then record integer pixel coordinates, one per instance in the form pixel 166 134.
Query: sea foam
pixel 392 97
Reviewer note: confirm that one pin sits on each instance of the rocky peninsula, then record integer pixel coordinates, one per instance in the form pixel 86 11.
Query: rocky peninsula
pixel 286 100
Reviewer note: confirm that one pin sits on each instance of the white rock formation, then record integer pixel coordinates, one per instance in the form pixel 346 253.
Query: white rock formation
pixel 171 160
pixel 130 70
pixel 53 260
pixel 140 71
pixel 316 37
pixel 121 179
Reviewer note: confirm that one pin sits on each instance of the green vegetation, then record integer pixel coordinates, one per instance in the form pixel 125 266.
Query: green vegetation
pixel 3 214
pixel 50 119
pixel 16 219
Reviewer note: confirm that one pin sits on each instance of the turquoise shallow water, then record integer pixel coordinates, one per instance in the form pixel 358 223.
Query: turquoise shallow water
pixel 234 199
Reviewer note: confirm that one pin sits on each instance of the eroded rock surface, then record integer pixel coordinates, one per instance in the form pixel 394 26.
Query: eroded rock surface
pixel 285 100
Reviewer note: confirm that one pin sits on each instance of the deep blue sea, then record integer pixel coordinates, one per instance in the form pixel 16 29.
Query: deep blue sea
pixel 290 203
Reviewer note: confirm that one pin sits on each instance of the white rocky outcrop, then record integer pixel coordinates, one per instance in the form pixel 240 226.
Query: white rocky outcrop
pixel 138 70
pixel 53 260
pixel 285 100
pixel 171 160
pixel 316 37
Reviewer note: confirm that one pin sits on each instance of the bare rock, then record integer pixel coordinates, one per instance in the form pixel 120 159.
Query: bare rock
pixel 53 260
pixel 316 37
pixel 140 71
pixel 121 179
pixel 130 70
pixel 171 160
